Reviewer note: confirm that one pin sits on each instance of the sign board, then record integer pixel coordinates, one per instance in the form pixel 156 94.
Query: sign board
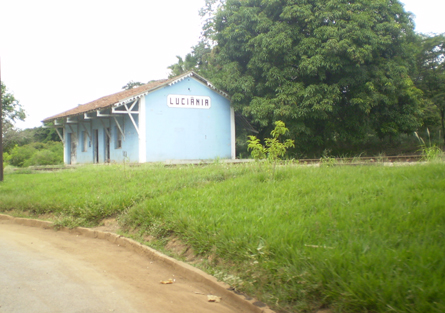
pixel 189 102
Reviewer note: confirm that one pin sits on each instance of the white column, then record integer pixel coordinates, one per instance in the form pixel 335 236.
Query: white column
pixel 65 147
pixel 142 131
pixel 232 132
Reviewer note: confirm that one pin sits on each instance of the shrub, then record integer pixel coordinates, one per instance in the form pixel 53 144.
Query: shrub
pixel 430 152
pixel 274 148
pixel 19 155
pixel 50 153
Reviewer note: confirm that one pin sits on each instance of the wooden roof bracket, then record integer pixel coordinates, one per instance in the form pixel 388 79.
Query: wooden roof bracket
pixel 57 126
pixel 99 114
pixel 86 131
pixel 72 130
pixel 105 129
pixel 70 121
pixel 86 117
pixel 62 138
pixel 57 122
pixel 119 127
pixel 129 111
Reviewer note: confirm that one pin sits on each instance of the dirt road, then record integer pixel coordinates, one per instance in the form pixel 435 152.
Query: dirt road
pixel 42 270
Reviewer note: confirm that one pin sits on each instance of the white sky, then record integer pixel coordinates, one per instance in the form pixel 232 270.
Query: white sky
pixel 56 54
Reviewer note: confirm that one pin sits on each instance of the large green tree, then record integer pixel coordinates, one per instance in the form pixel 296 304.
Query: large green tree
pixel 196 60
pixel 12 110
pixel 333 70
pixel 430 75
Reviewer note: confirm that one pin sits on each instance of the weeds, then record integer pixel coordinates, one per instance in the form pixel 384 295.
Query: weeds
pixel 274 148
pixel 431 152
pixel 326 159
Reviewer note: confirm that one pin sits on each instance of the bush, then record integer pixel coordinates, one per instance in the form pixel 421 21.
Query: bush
pixel 19 155
pixel 6 158
pixel 50 153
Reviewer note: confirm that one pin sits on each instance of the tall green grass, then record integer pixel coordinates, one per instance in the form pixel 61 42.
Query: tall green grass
pixel 355 239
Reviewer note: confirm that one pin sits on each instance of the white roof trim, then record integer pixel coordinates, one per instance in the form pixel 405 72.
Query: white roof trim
pixel 180 79
pixel 217 90
pixel 131 99
pixel 202 79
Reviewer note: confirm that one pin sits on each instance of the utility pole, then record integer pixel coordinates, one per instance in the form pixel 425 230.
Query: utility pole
pixel 1 126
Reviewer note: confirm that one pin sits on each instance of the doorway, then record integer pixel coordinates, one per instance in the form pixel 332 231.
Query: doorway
pixel 73 148
pixel 96 146
pixel 107 145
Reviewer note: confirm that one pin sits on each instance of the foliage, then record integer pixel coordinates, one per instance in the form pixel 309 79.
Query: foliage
pixel 207 14
pixel 300 243
pixel 326 159
pixel 202 56
pixel 50 153
pixel 430 152
pixel 18 155
pixel 430 74
pixel 274 148
pixel 22 137
pixel 182 66
pixel 258 151
pixel 12 110
pixel 197 60
pixel 333 70
pixel 337 72
pixel 6 159
pixel 131 84
pixel 10 136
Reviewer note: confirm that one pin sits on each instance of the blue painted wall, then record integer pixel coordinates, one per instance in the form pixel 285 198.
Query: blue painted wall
pixel 129 145
pixel 186 133
pixel 171 133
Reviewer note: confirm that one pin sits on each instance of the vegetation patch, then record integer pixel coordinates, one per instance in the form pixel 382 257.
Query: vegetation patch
pixel 354 239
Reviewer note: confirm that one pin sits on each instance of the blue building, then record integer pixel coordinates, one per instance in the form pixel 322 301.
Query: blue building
pixel 183 118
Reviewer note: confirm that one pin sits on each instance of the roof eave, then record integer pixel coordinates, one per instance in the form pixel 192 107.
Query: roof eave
pixel 139 95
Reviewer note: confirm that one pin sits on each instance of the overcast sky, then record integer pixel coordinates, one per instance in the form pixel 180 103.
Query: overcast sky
pixel 56 54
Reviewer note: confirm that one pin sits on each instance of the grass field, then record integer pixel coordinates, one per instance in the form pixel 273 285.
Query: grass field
pixel 354 239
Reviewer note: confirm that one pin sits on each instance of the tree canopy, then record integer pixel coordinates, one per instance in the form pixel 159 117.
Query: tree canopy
pixel 332 69
pixel 335 71
pixel 430 75
pixel 196 60
pixel 131 84
pixel 12 110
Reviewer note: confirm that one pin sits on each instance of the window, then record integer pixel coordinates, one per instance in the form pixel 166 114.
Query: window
pixel 118 138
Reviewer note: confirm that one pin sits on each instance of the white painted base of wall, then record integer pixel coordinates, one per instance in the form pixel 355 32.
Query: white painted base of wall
pixel 142 131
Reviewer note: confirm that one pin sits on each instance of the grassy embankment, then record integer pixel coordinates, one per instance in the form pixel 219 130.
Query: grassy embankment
pixel 355 239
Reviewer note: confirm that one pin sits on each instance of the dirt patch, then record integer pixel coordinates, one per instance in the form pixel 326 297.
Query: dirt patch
pixel 177 247
pixel 28 214
pixel 149 238
pixel 108 225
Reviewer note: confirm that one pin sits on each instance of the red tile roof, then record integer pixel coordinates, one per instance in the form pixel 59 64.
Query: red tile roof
pixel 108 101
